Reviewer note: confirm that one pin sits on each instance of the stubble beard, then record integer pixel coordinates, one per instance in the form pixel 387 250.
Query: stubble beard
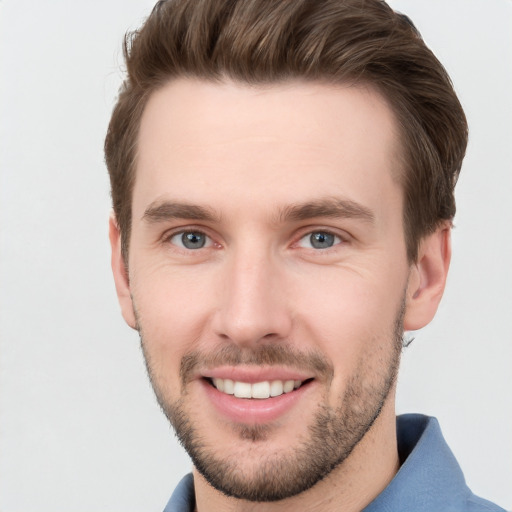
pixel 332 435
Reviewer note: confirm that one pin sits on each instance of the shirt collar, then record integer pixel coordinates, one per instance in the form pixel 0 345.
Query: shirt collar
pixel 429 477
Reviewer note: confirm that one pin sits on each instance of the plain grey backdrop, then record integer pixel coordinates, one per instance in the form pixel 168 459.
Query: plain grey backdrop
pixel 80 430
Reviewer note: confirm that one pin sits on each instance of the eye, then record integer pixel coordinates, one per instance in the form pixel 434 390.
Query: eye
pixel 319 240
pixel 191 240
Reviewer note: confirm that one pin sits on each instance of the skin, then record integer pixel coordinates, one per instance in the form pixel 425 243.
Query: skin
pixel 248 156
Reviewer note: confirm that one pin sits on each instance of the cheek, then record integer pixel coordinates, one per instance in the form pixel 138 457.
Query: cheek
pixel 173 310
pixel 347 302
pixel 352 319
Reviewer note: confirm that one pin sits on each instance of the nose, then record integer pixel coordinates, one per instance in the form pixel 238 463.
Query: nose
pixel 253 302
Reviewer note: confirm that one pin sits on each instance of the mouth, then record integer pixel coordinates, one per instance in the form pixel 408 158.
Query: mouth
pixel 256 390
pixel 245 395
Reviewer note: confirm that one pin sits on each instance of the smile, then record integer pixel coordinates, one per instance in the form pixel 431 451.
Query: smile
pixel 259 390
pixel 243 396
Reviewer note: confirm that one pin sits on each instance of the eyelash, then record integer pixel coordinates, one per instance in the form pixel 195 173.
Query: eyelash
pixel 167 237
pixel 338 239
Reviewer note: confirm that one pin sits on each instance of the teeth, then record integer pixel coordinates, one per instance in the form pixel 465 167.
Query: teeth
pixel 229 386
pixel 276 388
pixel 262 390
pixel 219 384
pixel 288 386
pixel 243 390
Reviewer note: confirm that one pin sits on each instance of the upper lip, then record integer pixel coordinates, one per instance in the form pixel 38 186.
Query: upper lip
pixel 255 374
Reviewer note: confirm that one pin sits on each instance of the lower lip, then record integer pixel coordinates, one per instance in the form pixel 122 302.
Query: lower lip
pixel 254 410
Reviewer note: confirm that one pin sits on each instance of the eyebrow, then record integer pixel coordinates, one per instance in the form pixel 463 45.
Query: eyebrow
pixel 167 210
pixel 327 207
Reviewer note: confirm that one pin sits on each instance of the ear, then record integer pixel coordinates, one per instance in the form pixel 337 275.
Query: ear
pixel 120 272
pixel 427 278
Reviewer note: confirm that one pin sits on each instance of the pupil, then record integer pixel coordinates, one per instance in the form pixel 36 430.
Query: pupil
pixel 193 240
pixel 322 240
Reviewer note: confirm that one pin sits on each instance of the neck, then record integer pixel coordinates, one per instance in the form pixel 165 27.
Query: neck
pixel 350 487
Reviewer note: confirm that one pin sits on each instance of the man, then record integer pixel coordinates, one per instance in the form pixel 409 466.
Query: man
pixel 282 177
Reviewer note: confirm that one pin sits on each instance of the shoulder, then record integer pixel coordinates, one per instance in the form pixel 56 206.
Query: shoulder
pixel 429 478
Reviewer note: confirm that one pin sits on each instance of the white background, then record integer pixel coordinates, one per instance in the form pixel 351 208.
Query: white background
pixel 79 427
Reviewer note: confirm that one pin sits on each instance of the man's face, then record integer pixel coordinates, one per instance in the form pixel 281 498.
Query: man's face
pixel 267 257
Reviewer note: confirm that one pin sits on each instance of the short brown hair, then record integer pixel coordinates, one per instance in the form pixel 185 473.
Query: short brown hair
pixel 270 41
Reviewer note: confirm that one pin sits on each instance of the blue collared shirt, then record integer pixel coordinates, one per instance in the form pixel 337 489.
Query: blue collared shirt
pixel 429 479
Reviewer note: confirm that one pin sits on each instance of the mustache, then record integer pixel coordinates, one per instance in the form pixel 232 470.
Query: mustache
pixel 264 355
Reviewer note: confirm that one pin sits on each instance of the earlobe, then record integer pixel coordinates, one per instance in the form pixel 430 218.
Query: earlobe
pixel 427 278
pixel 121 274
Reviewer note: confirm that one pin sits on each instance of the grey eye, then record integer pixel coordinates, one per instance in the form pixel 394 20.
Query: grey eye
pixel 190 240
pixel 319 240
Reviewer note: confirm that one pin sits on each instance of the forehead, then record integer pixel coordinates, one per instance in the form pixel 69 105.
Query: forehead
pixel 284 142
